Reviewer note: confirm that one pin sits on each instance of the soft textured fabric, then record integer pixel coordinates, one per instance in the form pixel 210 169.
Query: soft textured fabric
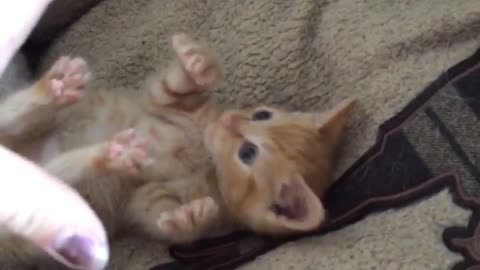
pixel 305 54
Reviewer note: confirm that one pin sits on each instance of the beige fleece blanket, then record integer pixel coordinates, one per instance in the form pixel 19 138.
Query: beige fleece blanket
pixel 305 54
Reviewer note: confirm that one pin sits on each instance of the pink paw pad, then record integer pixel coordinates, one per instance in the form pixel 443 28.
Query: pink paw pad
pixel 67 80
pixel 196 60
pixel 129 152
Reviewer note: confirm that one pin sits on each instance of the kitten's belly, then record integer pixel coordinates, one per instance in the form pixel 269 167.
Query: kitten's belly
pixel 177 152
pixel 179 157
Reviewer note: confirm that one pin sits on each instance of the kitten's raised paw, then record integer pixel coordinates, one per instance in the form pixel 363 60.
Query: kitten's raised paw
pixel 189 220
pixel 200 65
pixel 67 79
pixel 127 152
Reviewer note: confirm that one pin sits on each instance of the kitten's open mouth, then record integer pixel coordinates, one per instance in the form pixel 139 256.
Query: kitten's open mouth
pixel 290 206
pixel 293 211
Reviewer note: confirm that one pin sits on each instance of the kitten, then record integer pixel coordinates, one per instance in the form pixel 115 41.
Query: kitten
pixel 168 163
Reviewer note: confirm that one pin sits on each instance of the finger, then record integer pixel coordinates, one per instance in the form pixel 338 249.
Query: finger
pixel 47 212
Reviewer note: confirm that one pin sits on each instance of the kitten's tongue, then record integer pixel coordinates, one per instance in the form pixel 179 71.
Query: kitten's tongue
pixel 297 207
pixel 290 205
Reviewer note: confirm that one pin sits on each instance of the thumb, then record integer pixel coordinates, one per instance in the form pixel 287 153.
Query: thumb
pixel 47 212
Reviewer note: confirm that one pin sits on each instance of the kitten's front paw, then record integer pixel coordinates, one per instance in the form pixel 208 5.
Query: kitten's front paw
pixel 67 79
pixel 127 152
pixel 200 65
pixel 188 221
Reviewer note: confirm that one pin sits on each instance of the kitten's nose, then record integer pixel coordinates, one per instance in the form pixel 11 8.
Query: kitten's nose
pixel 231 121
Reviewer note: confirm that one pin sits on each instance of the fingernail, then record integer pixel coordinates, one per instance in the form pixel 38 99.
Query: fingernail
pixel 82 252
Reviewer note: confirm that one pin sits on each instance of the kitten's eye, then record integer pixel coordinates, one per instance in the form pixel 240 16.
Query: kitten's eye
pixel 261 115
pixel 247 152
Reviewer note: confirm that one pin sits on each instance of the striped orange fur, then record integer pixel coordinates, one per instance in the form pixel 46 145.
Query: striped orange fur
pixel 168 163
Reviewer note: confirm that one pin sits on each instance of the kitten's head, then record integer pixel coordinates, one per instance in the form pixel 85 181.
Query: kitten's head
pixel 273 165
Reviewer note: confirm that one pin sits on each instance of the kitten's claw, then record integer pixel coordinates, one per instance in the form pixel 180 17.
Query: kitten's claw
pixel 67 79
pixel 196 60
pixel 189 219
pixel 128 152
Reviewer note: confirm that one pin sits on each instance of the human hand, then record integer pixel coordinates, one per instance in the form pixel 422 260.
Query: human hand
pixel 42 209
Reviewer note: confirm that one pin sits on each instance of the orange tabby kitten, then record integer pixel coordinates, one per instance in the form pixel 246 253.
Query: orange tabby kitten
pixel 168 164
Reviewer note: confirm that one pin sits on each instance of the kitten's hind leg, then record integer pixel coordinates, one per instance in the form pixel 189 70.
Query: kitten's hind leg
pixel 183 84
pixel 126 153
pixel 27 112
pixel 155 212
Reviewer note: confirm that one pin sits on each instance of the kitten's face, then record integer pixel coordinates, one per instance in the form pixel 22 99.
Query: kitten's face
pixel 272 163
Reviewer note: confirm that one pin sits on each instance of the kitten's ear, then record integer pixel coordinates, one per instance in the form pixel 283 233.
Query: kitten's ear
pixel 331 123
pixel 296 207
